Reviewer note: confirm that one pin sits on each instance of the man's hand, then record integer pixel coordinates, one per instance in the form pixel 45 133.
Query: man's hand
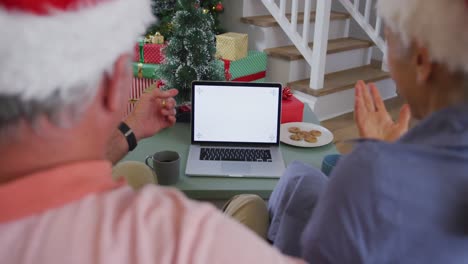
pixel 372 117
pixel 153 112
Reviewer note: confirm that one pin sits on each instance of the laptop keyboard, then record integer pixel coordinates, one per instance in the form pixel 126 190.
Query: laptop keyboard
pixel 236 154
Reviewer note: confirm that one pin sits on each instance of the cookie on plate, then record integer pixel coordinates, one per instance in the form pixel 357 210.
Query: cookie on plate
pixel 315 133
pixel 311 139
pixel 294 130
pixel 296 137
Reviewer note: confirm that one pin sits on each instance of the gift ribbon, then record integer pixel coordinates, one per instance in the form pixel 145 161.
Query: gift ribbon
pixel 247 78
pixel 227 68
pixel 140 70
pixel 287 94
pixel 141 44
pixel 251 77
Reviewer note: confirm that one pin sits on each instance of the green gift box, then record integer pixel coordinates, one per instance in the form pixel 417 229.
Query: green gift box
pixel 249 69
pixel 145 70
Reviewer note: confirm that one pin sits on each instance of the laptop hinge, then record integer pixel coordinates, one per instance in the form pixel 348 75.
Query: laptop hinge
pixel 236 145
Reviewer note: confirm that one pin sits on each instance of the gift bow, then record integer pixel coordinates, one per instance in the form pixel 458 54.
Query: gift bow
pixel 160 83
pixel 287 94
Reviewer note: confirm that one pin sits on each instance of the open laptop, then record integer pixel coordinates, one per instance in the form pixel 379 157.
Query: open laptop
pixel 235 130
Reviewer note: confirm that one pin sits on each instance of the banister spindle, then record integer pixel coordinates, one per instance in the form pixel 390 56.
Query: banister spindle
pixel 356 5
pixel 294 12
pixel 306 27
pixel 368 10
pixel 282 7
pixel 378 26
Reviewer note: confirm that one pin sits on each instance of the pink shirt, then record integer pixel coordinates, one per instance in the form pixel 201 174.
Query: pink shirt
pixel 78 214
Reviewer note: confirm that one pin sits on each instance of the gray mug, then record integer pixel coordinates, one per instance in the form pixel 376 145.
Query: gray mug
pixel 166 165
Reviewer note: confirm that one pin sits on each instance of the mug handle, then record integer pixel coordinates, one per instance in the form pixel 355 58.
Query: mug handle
pixel 146 161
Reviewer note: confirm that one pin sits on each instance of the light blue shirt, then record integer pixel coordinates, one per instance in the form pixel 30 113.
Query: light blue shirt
pixel 405 202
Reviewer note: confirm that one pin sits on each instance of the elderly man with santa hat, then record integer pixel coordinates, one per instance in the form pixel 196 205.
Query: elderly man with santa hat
pixel 64 80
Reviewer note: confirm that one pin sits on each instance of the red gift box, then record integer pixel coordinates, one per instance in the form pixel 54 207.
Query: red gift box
pixel 292 110
pixel 149 53
pixel 139 85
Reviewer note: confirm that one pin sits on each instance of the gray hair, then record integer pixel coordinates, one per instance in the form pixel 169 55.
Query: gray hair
pixel 404 49
pixel 60 111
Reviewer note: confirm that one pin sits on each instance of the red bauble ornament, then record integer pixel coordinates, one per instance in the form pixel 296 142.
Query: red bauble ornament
pixel 219 7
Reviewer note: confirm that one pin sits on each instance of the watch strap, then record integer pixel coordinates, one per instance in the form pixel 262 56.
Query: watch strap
pixel 129 136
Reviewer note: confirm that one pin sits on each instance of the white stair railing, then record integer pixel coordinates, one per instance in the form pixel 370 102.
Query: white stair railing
pixel 373 30
pixel 315 56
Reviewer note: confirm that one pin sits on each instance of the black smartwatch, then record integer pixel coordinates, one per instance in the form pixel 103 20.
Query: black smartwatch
pixel 129 135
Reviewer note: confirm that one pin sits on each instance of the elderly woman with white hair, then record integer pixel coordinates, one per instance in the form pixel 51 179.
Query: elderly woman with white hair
pixel 401 196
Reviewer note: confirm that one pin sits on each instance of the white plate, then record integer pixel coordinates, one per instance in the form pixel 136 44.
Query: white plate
pixel 324 139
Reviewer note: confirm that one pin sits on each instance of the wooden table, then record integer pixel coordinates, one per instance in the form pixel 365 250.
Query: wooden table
pixel 177 139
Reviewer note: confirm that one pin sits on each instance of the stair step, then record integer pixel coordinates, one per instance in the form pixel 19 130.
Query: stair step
pixel 343 80
pixel 334 46
pixel 269 21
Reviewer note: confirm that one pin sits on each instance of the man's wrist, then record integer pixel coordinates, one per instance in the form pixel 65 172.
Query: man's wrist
pixel 134 125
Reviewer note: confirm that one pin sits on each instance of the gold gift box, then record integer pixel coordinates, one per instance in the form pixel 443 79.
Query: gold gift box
pixel 232 46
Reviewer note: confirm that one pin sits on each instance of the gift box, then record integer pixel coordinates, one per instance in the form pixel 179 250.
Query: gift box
pixel 149 53
pixel 157 38
pixel 145 70
pixel 232 46
pixel 144 76
pixel 292 110
pixel 249 69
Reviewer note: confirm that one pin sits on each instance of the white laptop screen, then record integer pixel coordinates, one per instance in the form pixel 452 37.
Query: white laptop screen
pixel 238 113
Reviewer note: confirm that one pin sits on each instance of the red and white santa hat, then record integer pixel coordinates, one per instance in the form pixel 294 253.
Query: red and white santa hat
pixel 57 45
pixel 440 25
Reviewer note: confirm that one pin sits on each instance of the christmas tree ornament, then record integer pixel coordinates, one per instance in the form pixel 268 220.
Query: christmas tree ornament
pixel 219 7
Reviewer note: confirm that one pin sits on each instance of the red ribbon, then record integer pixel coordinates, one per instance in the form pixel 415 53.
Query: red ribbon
pixel 251 77
pixel 287 94
pixel 227 68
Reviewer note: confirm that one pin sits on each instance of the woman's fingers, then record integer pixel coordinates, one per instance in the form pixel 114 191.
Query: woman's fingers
pixel 363 100
pixel 368 101
pixel 377 99
pixel 362 91
pixel 360 112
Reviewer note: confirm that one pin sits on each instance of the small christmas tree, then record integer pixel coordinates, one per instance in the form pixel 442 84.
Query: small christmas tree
pixel 190 54
pixel 164 10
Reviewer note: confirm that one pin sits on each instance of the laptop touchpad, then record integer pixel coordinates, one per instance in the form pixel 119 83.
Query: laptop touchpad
pixel 236 168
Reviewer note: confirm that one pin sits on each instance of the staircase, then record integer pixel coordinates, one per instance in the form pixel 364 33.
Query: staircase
pixel 312 47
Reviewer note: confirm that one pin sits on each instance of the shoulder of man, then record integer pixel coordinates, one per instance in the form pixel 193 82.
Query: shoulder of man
pixel 184 231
